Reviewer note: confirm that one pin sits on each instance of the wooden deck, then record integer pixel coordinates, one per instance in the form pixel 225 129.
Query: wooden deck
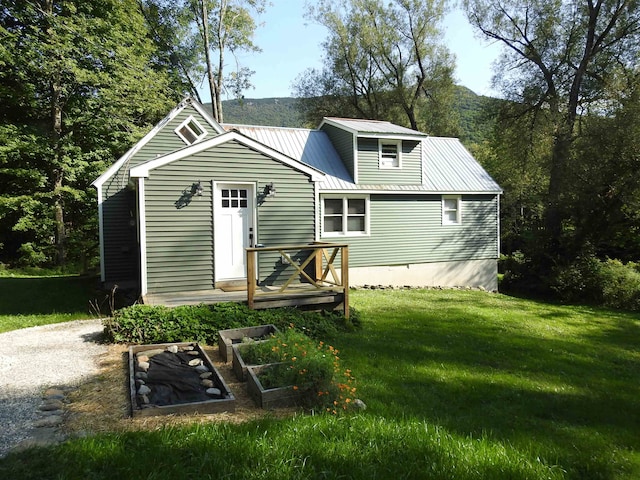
pixel 325 288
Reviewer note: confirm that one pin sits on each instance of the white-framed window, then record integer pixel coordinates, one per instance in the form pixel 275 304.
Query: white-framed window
pixel 390 153
pixel 190 131
pixel 345 215
pixel 451 209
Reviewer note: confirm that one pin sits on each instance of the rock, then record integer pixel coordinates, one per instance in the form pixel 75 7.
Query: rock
pixel 195 362
pixel 214 392
pixel 139 381
pixel 51 413
pixel 201 369
pixel 144 390
pixel 144 399
pixel 195 353
pixel 144 366
pixel 151 353
pixel 206 383
pixel 188 348
pixel 357 403
pixel 51 421
pixel 54 394
pixel 142 358
pixel 206 375
pixel 141 375
pixel 172 349
pixel 51 405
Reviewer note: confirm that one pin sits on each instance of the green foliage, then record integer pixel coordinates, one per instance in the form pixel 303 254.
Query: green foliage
pixel 68 108
pixel 611 283
pixel 383 61
pixel 159 324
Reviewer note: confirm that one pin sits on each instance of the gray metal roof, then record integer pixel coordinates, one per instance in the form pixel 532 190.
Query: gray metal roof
pixel 447 167
pixel 372 126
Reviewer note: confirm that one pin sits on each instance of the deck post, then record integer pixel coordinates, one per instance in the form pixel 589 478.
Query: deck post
pixel 344 257
pixel 251 277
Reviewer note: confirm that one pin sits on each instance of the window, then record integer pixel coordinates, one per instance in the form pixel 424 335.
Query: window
pixel 390 154
pixel 451 214
pixel 190 131
pixel 234 198
pixel 345 216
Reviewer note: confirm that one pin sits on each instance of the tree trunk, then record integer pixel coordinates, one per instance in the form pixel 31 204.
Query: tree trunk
pixel 207 53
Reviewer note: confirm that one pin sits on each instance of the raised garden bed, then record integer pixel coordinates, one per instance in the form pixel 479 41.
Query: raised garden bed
pixel 239 366
pixel 175 378
pixel 285 396
pixel 233 336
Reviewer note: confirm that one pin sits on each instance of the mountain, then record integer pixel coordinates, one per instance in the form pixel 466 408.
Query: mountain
pixel 474 113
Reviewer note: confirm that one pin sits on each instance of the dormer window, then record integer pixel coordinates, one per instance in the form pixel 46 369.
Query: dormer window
pixel 390 152
pixel 190 131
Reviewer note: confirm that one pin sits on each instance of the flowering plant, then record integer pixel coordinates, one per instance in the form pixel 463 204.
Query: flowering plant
pixel 313 369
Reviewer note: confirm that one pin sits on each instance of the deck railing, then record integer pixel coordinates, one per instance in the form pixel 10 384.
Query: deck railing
pixel 313 277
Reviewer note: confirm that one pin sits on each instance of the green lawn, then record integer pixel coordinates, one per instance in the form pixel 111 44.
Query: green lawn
pixel 29 301
pixel 458 384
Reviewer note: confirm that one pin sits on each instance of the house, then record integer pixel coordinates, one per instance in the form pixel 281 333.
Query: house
pixel 177 210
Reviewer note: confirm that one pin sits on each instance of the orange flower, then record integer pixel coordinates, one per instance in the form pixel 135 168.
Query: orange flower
pixel 295 387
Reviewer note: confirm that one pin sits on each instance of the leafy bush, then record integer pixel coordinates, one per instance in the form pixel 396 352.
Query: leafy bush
pixel 307 366
pixel 610 283
pixel 201 323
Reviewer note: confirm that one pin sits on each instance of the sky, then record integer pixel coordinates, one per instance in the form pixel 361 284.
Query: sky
pixel 291 44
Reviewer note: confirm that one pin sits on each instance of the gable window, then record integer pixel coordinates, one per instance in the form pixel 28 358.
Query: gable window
pixel 190 131
pixel 390 152
pixel 345 216
pixel 451 210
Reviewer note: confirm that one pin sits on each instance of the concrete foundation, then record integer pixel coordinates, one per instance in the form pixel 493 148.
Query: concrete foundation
pixel 466 273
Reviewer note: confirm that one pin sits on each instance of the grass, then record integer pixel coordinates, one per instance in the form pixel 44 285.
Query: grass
pixel 459 385
pixel 27 301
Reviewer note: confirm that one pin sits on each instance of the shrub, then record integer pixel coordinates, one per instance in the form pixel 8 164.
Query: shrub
pixel 610 283
pixel 310 367
pixel 201 323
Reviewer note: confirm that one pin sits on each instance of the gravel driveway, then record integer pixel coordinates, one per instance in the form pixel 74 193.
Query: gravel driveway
pixel 33 359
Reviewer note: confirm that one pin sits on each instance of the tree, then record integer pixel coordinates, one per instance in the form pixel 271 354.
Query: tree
pixel 383 60
pixel 562 59
pixel 198 34
pixel 76 93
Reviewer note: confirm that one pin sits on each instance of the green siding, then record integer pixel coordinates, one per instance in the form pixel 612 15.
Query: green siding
pixel 180 249
pixel 120 241
pixel 369 172
pixel 406 229
pixel 343 143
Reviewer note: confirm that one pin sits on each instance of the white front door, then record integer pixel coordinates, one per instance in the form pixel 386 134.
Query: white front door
pixel 233 226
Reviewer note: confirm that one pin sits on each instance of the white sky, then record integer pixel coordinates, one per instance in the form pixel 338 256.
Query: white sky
pixel 290 45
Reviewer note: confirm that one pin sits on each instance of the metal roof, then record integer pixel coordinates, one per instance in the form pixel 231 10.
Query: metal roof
pixel 371 126
pixel 447 167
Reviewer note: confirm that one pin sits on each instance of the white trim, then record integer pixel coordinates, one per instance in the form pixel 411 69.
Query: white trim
pixel 498 224
pixel 317 212
pixel 382 191
pixel 185 123
pixel 103 274
pixel 458 210
pixel 345 216
pixel 398 145
pixel 144 169
pixel 254 220
pixel 152 133
pixel 355 159
pixel 142 228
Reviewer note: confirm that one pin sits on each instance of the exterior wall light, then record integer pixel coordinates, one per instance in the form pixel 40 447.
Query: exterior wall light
pixel 269 190
pixel 196 189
